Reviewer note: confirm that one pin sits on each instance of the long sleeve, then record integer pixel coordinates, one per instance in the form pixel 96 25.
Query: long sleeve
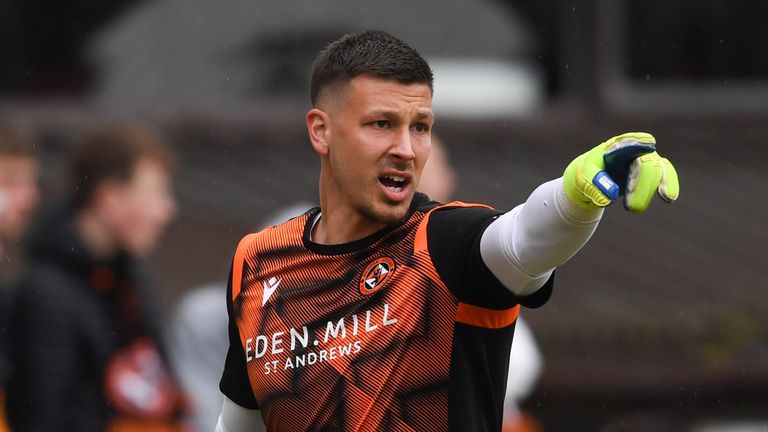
pixel 523 246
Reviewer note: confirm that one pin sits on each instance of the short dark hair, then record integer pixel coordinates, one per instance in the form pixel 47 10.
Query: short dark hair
pixel 14 143
pixel 374 53
pixel 112 153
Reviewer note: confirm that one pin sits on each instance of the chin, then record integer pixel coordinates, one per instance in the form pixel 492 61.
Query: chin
pixel 387 213
pixel 141 249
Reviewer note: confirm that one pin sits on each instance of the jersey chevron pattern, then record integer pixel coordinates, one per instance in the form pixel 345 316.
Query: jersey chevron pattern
pixel 363 336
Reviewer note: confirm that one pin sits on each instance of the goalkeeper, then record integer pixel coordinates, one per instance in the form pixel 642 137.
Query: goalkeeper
pixel 381 309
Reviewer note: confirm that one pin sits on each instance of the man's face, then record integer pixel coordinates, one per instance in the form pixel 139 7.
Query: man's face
pixel 19 194
pixel 378 142
pixel 140 209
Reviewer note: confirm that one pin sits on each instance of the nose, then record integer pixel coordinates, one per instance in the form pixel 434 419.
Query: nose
pixel 164 208
pixel 402 145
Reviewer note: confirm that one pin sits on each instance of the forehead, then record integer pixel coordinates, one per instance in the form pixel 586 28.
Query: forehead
pixel 17 163
pixel 149 170
pixel 366 91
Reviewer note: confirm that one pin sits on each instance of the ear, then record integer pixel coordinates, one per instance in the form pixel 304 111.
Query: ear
pixel 318 126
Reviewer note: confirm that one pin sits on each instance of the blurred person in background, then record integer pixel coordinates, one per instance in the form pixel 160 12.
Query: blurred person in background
pixel 86 344
pixel 19 196
pixel 381 309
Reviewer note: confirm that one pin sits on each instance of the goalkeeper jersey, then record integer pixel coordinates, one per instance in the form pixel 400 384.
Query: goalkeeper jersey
pixel 404 330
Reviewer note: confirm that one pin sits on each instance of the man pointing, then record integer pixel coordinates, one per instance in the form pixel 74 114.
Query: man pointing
pixel 426 344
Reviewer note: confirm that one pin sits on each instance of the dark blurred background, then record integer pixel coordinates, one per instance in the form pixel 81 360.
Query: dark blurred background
pixel 658 325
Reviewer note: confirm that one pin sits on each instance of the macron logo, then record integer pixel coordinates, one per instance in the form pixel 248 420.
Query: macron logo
pixel 269 288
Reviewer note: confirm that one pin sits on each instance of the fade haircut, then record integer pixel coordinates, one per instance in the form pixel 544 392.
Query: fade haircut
pixel 374 53
pixel 112 153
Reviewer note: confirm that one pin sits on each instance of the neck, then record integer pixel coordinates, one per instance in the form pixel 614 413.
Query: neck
pixel 340 223
pixel 337 226
pixel 95 234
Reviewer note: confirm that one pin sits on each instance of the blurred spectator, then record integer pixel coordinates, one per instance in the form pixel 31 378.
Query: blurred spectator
pixel 85 337
pixel 198 340
pixel 19 196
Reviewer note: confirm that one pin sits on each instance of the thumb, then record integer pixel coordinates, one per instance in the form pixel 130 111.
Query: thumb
pixel 669 188
pixel 648 174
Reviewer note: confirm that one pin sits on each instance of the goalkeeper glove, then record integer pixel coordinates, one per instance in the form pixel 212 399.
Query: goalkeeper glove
pixel 625 165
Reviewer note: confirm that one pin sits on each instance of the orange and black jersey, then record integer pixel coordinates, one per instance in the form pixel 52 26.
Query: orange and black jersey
pixel 405 330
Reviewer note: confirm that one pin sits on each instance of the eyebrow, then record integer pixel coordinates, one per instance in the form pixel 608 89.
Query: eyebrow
pixel 387 113
pixel 425 114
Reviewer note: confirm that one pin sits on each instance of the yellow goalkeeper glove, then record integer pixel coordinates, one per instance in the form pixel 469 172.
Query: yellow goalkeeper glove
pixel 625 165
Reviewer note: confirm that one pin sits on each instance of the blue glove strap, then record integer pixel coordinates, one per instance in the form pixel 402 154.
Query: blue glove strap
pixel 607 186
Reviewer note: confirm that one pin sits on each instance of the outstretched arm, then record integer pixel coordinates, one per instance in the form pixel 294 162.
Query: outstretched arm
pixel 523 246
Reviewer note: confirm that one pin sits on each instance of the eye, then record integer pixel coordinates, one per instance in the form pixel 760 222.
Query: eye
pixel 421 128
pixel 380 124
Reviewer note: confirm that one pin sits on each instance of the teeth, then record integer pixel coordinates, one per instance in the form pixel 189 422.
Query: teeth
pixel 399 183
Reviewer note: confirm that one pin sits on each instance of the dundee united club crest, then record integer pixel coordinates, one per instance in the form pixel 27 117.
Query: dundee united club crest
pixel 376 275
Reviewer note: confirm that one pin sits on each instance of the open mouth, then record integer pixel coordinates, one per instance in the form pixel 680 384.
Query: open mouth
pixel 394 183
